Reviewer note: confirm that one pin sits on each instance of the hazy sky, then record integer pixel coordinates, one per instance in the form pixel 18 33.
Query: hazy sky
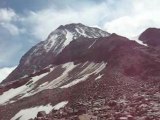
pixel 23 23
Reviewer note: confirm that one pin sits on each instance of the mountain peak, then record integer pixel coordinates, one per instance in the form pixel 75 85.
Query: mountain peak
pixel 79 29
pixel 71 25
pixel 64 34
pixel 43 54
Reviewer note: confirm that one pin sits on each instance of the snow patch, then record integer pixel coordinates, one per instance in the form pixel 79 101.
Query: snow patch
pixel 100 68
pixel 29 113
pixel 69 38
pixel 138 41
pixel 58 81
pixel 20 91
pixel 76 81
pixel 25 76
pixel 6 96
pixel 98 77
pixel 92 44
pixel 55 82
pixel 92 68
pixel 50 42
pixel 83 33
pixel 36 78
pixel 97 67
pixel 43 84
pixel 60 105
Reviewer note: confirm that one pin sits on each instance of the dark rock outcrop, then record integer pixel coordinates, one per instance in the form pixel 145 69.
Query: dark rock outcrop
pixel 151 37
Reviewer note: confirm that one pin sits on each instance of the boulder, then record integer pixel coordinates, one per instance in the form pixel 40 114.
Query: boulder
pixel 41 114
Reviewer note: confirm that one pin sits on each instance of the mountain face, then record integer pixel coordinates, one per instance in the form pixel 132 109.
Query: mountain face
pixel 83 73
pixel 43 54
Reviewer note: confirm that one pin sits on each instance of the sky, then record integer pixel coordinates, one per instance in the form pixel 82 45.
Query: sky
pixel 24 23
pixel 4 72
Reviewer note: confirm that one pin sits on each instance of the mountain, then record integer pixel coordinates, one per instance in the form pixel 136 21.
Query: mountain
pixel 43 54
pixel 90 75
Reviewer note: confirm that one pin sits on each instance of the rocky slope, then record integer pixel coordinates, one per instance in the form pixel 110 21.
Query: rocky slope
pixel 151 37
pixel 96 75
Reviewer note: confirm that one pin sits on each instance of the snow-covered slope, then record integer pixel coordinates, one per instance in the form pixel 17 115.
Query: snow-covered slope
pixel 63 35
pixel 65 80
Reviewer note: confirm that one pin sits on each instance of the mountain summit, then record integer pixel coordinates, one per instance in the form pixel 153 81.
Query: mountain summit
pixel 43 54
pixel 63 35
